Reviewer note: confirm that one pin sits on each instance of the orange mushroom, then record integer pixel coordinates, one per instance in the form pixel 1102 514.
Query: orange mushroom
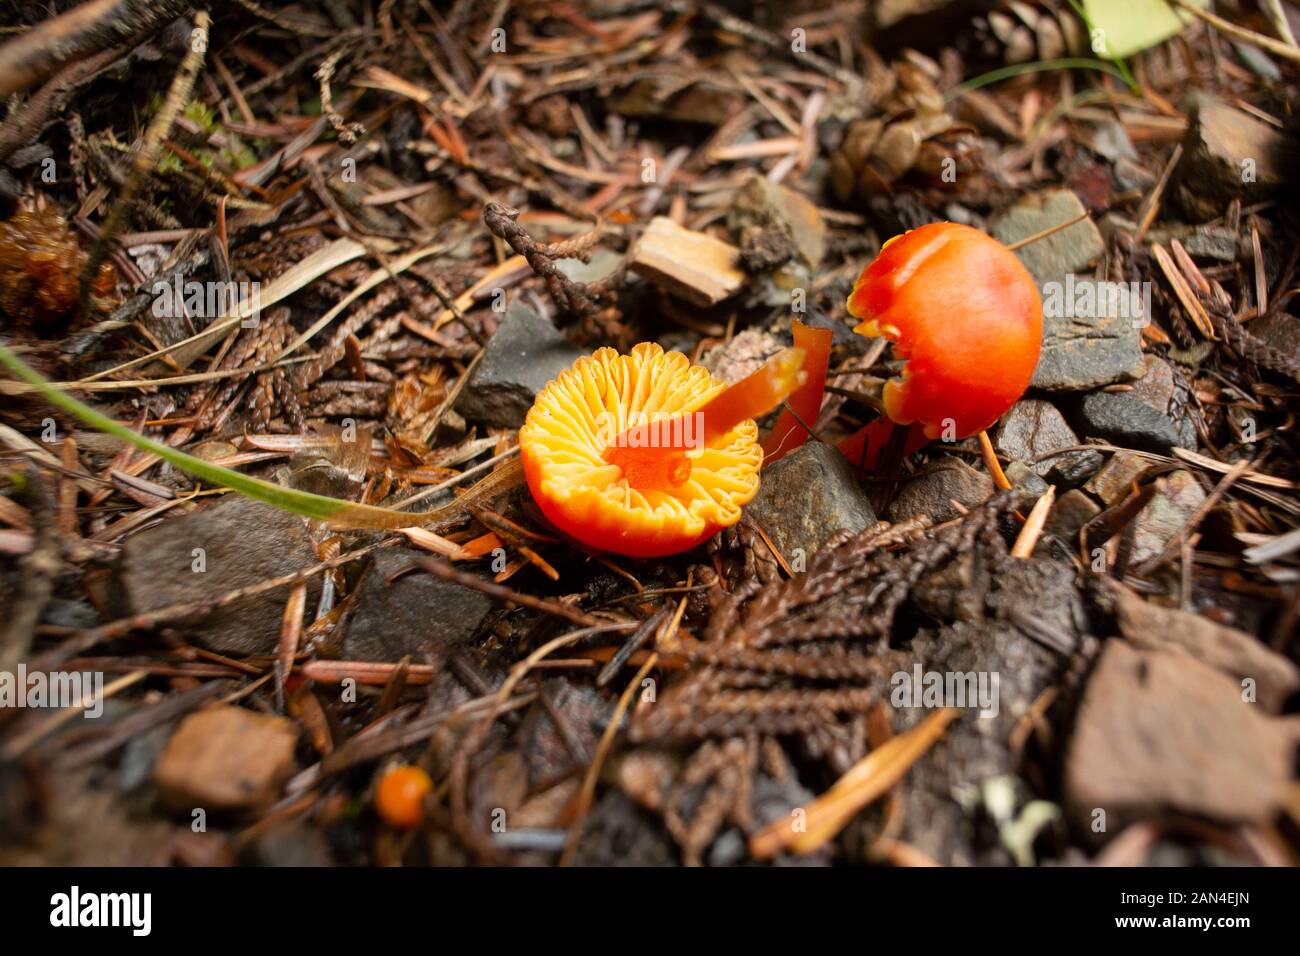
pixel 645 454
pixel 965 314
pixel 399 796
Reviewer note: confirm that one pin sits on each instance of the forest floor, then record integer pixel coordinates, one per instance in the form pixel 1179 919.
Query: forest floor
pixel 341 245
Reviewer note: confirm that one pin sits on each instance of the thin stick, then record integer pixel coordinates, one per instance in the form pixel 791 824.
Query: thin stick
pixel 499 592
pixel 1021 243
pixel 146 159
pixel 1028 536
pixel 588 790
pixel 1241 33
pixel 16 747
pixel 991 462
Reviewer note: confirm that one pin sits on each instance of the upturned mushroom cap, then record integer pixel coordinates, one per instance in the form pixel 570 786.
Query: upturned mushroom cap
pixel 965 313
pixel 577 416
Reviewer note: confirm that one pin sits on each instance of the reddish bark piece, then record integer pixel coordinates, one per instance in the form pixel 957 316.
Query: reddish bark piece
pixel 226 760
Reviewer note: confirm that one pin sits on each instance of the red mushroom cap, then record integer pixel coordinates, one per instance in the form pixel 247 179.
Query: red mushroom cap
pixel 965 313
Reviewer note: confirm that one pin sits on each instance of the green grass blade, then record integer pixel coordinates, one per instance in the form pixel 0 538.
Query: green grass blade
pixel 336 511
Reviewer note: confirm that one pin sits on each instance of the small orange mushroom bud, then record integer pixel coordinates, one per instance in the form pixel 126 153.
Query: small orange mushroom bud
pixel 399 797
pixel 645 454
pixel 966 315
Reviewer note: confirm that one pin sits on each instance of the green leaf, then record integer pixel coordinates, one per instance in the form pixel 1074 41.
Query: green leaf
pixel 1120 28
pixel 336 511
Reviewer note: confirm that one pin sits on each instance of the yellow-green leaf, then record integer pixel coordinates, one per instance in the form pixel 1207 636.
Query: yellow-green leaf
pixel 1120 28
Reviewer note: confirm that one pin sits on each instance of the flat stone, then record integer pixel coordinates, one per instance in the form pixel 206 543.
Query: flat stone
pixel 1124 419
pixel 1079 352
pixel 1117 478
pixel 762 207
pixel 1159 731
pixel 1177 495
pixel 932 492
pixel 1033 429
pixel 1161 389
pixel 402 611
pixel 806 497
pixel 1050 258
pixel 524 354
pixel 1085 352
pixel 1235 653
pixel 1228 154
pixel 226 760
pixel 1028 485
pixel 1074 469
pixel 690 265
pixel 237 543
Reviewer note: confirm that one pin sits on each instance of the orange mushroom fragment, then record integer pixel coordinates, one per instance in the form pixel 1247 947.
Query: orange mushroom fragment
pixel 791 428
pixel 964 313
pixel 645 454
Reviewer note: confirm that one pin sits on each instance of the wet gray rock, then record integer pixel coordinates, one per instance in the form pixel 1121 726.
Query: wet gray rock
pixel 932 492
pixel 524 354
pixel 1079 351
pixel 1033 429
pixel 1028 485
pixel 1227 154
pixel 1159 731
pixel 238 543
pixel 1084 352
pixel 806 497
pixel 402 611
pixel 1121 418
pixel 1177 495
pixel 1163 389
pixel 1050 258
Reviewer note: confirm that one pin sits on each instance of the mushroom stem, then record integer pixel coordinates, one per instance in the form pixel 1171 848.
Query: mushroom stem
pixel 654 455
pixel 863 447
